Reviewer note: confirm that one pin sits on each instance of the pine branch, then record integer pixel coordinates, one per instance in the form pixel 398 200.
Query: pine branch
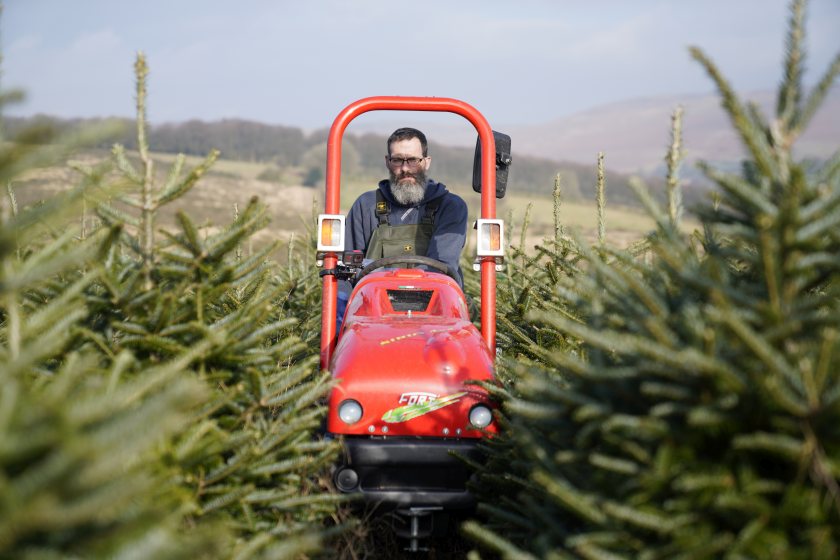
pixel 789 96
pixel 817 96
pixel 754 139
pixel 181 188
pixel 673 160
pixel 600 197
pixel 141 72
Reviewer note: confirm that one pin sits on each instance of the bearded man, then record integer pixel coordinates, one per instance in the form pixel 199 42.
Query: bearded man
pixel 409 214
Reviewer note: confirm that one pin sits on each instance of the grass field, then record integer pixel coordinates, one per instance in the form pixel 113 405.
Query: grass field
pixel 231 184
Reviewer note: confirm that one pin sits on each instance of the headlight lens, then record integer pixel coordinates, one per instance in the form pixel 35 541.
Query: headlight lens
pixel 480 416
pixel 350 411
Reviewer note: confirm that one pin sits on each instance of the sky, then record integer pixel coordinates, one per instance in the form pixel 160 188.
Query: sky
pixel 298 63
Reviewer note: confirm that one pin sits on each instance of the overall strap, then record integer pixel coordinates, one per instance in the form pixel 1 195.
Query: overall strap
pixel 431 209
pixel 383 209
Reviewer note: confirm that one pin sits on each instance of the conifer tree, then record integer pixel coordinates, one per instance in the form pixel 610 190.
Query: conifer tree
pixel 153 379
pixel 250 456
pixel 79 475
pixel 700 417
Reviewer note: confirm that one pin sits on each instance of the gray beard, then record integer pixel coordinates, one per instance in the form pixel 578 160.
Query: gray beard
pixel 409 194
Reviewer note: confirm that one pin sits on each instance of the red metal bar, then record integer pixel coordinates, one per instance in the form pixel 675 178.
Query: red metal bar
pixel 333 200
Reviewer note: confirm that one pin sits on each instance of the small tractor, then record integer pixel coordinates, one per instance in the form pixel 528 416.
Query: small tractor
pixel 407 357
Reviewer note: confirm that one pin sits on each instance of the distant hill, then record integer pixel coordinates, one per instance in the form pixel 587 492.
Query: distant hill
pixel 634 134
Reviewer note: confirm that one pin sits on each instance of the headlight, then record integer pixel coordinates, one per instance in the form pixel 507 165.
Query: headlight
pixel 350 411
pixel 480 416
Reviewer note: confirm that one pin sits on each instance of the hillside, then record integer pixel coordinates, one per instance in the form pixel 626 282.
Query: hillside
pixel 633 133
pixel 291 156
pixel 229 185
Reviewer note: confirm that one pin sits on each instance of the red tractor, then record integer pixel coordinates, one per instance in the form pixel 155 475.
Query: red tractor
pixel 407 354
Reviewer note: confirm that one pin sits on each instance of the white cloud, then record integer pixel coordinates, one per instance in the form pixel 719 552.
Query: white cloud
pixel 24 44
pixel 96 43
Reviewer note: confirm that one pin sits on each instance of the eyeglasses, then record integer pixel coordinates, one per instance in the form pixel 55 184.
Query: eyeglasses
pixel 412 162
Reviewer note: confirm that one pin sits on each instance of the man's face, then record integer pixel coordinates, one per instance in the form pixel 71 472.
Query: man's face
pixel 408 179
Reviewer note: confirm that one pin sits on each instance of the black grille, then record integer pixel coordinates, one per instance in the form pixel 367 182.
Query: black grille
pixel 410 300
pixel 429 478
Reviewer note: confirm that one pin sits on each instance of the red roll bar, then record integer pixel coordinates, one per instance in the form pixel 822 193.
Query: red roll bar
pixel 333 195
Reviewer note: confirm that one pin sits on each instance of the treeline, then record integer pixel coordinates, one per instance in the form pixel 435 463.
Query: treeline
pixel 234 138
pixel 290 147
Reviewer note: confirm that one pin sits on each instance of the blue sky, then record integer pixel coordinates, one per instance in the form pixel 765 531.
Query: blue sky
pixel 299 63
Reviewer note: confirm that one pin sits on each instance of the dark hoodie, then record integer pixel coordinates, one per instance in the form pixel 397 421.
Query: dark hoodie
pixel 450 227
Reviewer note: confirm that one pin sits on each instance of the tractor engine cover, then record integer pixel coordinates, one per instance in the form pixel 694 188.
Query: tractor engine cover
pixel 404 406
pixel 405 354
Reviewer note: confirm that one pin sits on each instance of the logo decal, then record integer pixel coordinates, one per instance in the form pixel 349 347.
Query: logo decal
pixel 411 411
pixel 381 207
pixel 417 397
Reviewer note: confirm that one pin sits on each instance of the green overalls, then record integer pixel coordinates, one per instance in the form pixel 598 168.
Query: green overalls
pixel 409 239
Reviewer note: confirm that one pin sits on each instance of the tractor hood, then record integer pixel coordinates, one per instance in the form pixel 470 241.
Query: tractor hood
pixel 406 355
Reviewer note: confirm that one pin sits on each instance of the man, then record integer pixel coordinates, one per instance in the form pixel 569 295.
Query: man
pixel 409 214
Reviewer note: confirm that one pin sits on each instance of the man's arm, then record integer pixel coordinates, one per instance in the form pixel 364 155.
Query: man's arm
pixel 358 224
pixel 450 233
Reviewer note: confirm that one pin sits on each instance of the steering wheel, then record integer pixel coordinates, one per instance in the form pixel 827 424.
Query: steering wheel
pixel 387 262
